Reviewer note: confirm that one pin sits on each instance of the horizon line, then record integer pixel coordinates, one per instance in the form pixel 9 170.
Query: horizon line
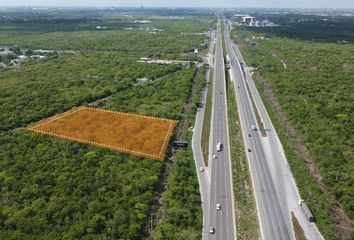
pixel 179 7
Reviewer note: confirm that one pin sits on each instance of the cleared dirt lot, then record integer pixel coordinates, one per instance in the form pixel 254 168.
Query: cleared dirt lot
pixel 130 133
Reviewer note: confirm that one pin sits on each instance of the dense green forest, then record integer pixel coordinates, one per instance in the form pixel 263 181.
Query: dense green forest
pixel 138 41
pixel 313 83
pixel 39 90
pixel 328 27
pixel 181 218
pixel 124 34
pixel 56 189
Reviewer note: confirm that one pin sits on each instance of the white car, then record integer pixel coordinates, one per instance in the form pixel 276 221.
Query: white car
pixel 211 230
pixel 253 127
pixel 214 156
pixel 218 207
pixel 201 169
pixel 218 146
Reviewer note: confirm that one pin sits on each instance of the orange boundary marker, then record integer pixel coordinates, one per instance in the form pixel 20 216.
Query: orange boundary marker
pixel 159 156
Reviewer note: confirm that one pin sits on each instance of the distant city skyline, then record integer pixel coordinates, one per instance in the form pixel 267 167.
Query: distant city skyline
pixel 185 3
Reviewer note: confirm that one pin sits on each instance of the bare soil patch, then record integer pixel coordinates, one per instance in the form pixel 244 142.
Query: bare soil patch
pixel 124 132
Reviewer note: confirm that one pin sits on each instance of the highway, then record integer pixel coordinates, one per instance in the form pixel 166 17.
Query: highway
pixel 203 176
pixel 274 219
pixel 282 177
pixel 221 190
pixel 275 189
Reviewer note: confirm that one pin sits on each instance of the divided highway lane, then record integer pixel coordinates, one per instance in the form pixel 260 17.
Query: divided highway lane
pixel 279 168
pixel 203 176
pixel 274 223
pixel 221 191
pixel 203 172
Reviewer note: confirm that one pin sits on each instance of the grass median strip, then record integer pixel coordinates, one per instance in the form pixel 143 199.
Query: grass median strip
pixel 299 232
pixel 207 120
pixel 246 215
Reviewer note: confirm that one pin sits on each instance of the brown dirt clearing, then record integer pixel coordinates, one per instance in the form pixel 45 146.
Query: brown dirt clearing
pixel 124 132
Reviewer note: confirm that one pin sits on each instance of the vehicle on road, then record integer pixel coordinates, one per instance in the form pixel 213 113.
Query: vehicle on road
pixel 218 146
pixel 249 150
pixel 211 230
pixel 253 127
pixel 218 207
pixel 201 169
pixel 305 209
pixel 214 156
pixel 249 135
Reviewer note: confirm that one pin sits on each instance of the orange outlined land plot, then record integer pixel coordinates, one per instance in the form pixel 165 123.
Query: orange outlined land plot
pixel 130 133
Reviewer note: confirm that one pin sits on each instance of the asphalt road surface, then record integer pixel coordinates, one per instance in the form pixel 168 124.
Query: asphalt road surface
pixel 203 175
pixel 221 191
pixel 282 176
pixel 274 220
pixel 203 172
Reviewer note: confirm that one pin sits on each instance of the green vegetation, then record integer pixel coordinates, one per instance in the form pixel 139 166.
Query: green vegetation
pixel 57 189
pixel 245 207
pixel 309 27
pixel 125 35
pixel 207 119
pixel 181 218
pixel 136 41
pixel 168 102
pixel 299 232
pixel 39 90
pixel 312 85
pixel 54 189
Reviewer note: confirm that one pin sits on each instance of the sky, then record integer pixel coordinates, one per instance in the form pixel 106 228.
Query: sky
pixel 187 3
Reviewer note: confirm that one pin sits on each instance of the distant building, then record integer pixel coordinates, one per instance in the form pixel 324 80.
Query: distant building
pixel 38 57
pixel 145 59
pixel 5 52
pixel 142 81
pixel 247 19
pixel 41 51
pixel 22 57
pixel 267 23
pixel 15 62
pixel 251 21
pixel 100 27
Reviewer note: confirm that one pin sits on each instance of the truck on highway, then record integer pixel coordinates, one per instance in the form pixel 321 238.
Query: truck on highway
pixel 305 209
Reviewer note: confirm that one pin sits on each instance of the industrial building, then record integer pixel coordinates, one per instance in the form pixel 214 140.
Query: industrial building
pixel 247 19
